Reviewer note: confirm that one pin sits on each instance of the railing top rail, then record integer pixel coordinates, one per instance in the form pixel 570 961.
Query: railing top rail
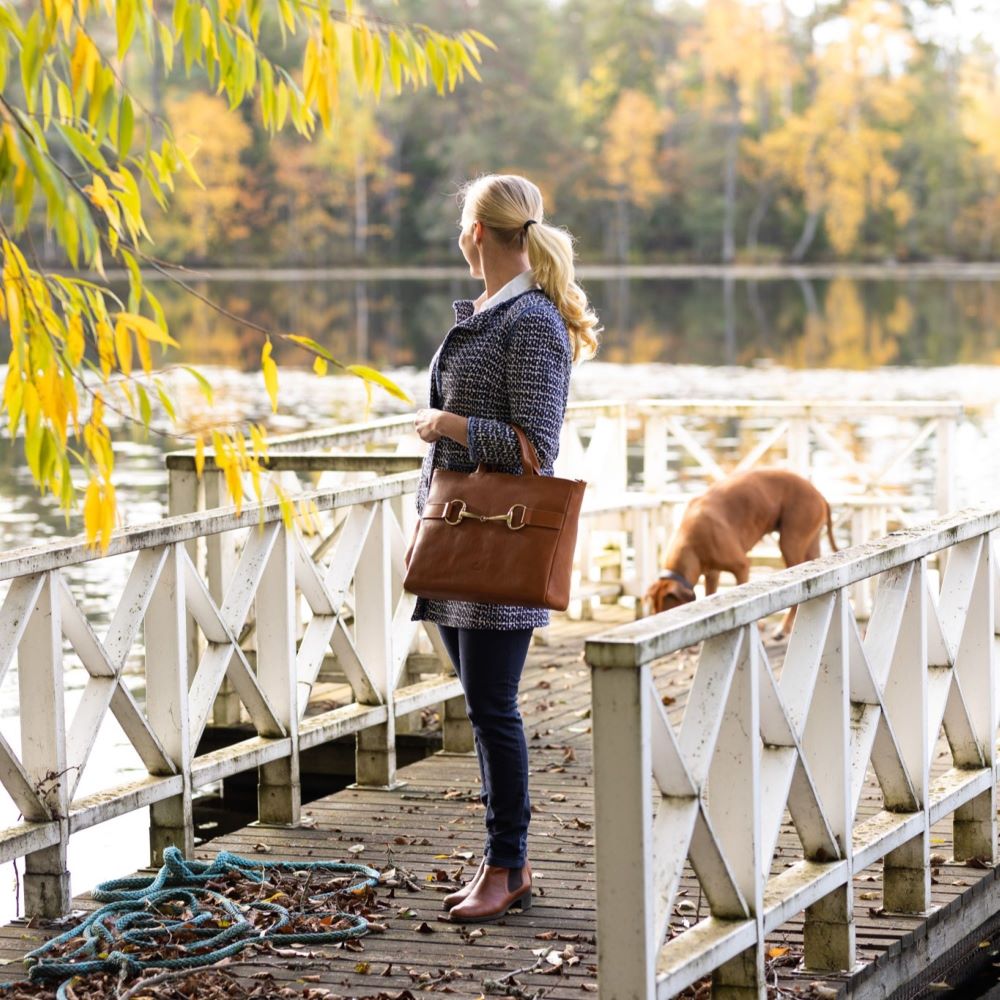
pixel 388 428
pixel 802 407
pixel 636 643
pixel 32 559
pixel 340 435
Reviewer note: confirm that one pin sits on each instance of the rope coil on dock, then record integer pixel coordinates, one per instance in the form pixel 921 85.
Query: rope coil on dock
pixel 142 913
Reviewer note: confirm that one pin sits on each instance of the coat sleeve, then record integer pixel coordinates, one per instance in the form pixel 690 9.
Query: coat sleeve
pixel 538 370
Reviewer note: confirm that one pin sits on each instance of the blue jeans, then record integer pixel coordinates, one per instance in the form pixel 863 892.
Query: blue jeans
pixel 489 664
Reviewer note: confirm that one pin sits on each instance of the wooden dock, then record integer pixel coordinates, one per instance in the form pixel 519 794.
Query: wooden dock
pixel 432 828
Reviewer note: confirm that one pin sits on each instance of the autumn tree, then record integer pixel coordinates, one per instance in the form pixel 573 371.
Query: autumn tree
pixel 77 349
pixel 743 63
pixel 980 122
pixel 837 151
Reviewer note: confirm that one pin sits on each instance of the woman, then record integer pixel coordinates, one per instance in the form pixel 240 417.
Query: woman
pixel 506 361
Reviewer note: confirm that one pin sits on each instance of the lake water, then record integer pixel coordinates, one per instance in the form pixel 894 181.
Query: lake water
pixel 805 338
pixel 802 322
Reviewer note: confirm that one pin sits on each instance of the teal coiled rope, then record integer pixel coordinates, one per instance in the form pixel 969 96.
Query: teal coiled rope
pixel 138 905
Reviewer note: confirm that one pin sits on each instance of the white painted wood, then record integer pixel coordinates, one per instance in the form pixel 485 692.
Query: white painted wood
pixel 669 770
pixel 279 796
pixel 707 700
pixel 656 636
pixel 695 450
pixel 654 453
pixel 762 447
pixel 375 757
pixel 17 607
pixel 626 908
pixel 19 784
pixel 164 630
pixel 43 750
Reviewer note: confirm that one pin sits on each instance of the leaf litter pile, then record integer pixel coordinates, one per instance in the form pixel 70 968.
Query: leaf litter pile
pixel 312 905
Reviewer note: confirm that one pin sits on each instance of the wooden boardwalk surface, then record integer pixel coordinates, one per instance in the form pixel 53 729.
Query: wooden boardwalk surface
pixel 432 828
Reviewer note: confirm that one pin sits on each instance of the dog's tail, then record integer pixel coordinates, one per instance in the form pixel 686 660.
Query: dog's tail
pixel 829 529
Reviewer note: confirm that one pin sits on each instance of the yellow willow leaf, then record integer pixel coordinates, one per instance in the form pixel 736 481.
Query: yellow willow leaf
pixel 105 348
pixel 147 328
pixel 234 485
pixel 123 347
pixel 270 375
pixel 371 375
pixel 99 193
pixel 142 346
pixel 92 511
pixel 75 342
pixel 199 455
pixel 107 515
pixel 320 366
pixel 13 310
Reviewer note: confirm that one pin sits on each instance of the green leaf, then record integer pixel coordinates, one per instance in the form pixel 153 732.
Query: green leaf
pixel 203 383
pixel 145 410
pixel 83 147
pixel 126 122
pixel 371 375
pixel 167 47
pixel 165 400
pixel 311 344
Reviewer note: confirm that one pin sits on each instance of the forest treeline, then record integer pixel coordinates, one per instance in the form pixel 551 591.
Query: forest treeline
pixel 727 130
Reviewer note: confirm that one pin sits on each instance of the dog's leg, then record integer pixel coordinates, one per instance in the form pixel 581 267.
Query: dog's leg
pixel 711 581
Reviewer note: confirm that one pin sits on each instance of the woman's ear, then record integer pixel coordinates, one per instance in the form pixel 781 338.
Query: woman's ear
pixel 477 232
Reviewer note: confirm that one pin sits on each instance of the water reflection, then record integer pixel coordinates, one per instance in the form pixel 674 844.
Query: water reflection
pixel 800 322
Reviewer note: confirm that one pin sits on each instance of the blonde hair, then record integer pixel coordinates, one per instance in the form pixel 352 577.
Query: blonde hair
pixel 511 206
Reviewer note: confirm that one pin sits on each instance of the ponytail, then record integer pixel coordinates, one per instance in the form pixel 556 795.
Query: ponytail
pixel 512 207
pixel 550 252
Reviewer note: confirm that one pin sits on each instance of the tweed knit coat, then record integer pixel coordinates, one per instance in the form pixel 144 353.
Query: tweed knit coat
pixel 508 363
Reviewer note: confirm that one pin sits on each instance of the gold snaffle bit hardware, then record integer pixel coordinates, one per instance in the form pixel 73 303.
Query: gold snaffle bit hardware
pixel 463 512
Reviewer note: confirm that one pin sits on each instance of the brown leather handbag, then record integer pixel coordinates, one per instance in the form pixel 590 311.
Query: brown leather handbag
pixel 497 538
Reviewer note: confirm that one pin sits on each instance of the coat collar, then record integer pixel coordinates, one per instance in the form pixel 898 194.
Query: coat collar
pixel 465 314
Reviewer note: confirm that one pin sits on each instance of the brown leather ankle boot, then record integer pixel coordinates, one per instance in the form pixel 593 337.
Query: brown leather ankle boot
pixel 496 891
pixel 454 898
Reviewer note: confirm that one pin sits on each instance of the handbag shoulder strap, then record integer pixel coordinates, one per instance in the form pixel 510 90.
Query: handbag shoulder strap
pixel 530 466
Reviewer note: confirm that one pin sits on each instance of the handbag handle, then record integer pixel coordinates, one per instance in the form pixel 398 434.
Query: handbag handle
pixel 529 457
pixel 530 466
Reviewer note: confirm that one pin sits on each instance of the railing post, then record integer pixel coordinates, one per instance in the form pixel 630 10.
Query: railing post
pixel 626 912
pixel 944 484
pixel 165 636
pixel 185 495
pixel 975 822
pixel 734 798
pixel 375 753
pixel 654 452
pixel 906 876
pixel 43 751
pixel 798 446
pixel 828 930
pixel 220 562
pixel 279 793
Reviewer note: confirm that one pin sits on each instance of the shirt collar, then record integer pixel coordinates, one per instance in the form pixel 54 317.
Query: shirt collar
pixel 522 283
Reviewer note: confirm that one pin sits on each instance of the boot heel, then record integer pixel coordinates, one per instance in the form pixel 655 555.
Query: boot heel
pixel 524 902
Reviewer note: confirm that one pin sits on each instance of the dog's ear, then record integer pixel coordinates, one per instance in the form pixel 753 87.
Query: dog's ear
pixel 666 594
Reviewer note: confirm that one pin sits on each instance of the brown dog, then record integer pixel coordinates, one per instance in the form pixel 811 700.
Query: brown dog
pixel 721 526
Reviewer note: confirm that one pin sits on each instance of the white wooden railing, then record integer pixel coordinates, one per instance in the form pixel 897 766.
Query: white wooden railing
pixel 754 742
pixel 882 465
pixel 342 599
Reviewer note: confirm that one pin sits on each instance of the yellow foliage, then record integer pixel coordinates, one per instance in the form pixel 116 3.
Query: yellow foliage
pixel 837 150
pixel 631 162
pixel 67 94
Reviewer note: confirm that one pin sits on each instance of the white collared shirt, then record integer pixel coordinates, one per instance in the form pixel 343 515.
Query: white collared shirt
pixel 524 282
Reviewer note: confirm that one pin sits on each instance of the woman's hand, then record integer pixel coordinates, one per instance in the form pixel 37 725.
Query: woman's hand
pixel 426 423
pixel 433 424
